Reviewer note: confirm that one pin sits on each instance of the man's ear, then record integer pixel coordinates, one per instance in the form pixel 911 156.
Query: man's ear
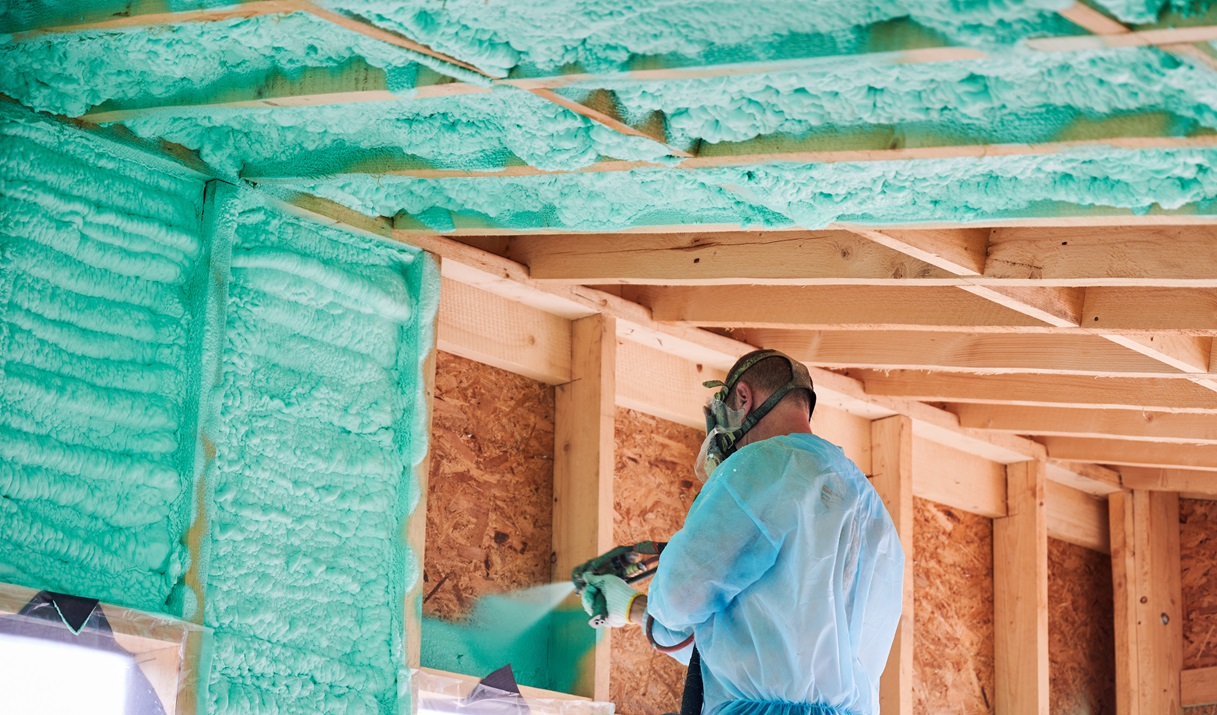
pixel 743 397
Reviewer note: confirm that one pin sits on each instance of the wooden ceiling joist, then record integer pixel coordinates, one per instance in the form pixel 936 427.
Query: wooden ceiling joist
pixel 254 8
pixel 1171 395
pixel 1158 479
pixel 1122 452
pixel 1143 38
pixel 1137 425
pixel 960 352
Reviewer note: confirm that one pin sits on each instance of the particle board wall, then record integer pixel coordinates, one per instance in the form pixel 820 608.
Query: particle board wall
pixel 1198 542
pixel 490 491
pixel 1081 631
pixel 653 488
pixel 953 669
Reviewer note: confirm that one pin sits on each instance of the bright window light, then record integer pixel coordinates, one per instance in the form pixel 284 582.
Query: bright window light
pixel 40 677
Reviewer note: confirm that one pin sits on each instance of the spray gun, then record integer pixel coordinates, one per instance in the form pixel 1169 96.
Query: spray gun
pixel 631 564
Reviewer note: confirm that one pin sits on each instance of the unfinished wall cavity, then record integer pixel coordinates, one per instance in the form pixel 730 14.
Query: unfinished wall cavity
pixel 1197 544
pixel 953 659
pixel 653 488
pixel 1081 631
pixel 100 260
pixel 489 521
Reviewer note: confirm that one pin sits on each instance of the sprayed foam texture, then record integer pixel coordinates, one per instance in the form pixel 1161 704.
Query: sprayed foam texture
pixel 319 428
pixel 477 132
pixel 1149 11
pixel 808 195
pixel 72 73
pixel 99 338
pixel 500 36
pixel 1037 98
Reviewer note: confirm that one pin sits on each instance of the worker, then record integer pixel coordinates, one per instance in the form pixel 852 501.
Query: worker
pixel 788 570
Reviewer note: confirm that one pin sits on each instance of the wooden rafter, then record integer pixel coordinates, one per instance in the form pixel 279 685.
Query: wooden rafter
pixel 1142 454
pixel 1158 479
pixel 1136 425
pixel 254 8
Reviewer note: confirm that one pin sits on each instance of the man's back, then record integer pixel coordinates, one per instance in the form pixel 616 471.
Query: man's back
pixel 789 570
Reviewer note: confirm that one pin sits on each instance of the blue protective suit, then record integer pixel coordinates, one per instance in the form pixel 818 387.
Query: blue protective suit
pixel 788 570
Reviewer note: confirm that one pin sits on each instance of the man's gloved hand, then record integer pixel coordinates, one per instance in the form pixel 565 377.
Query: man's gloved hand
pixel 607 599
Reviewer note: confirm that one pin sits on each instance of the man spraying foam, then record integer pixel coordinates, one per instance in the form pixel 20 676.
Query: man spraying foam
pixel 787 572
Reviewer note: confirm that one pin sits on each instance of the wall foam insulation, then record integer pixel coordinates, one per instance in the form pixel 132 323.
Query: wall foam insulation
pixel 173 366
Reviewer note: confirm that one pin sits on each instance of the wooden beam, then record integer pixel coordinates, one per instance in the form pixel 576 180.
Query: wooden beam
pixel 1136 425
pixel 1020 594
pixel 803 257
pixel 1148 602
pixel 1077 517
pixel 583 470
pixel 1163 256
pixel 1192 310
pixel 1145 454
pixel 1144 38
pixel 1158 479
pixel 606 115
pixel 892 477
pixel 494 331
pixel 1088 18
pixel 832 308
pixel 1051 390
pixel 960 352
pixel 117 21
pixel 416 522
pixel 661 384
pixel 958 479
pixel 1199 686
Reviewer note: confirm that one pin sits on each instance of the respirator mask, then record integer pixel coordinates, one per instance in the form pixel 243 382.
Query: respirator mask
pixel 725 425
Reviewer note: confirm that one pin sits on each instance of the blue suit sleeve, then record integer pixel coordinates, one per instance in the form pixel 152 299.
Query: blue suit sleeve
pixel 722 549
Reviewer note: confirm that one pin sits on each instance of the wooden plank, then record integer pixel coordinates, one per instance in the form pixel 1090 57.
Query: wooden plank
pixel 230 12
pixel 1145 38
pixel 960 352
pixel 1078 517
pixel 1188 353
pixel 608 118
pixel 1163 256
pixel 830 307
pixel 892 477
pixel 1020 594
pixel 801 257
pixel 1059 307
pixel 1199 686
pixel 495 331
pixel 1184 309
pixel 961 252
pixel 1160 479
pixel 958 479
pixel 1146 454
pixel 1149 613
pixel 583 471
pixel 416 522
pixel 1137 425
pixel 1051 390
pixel 1088 18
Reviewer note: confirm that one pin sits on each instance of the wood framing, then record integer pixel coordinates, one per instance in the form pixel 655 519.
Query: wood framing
pixel 1186 482
pixel 958 479
pixel 1020 594
pixel 1148 609
pixel 583 472
pixel 1199 687
pixel 1144 454
pixel 1130 424
pixel 892 477
pixel 416 523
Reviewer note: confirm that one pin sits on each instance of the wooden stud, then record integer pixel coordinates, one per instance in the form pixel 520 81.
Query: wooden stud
pixel 583 470
pixel 1020 594
pixel 892 477
pixel 1049 390
pixel 1077 517
pixel 1138 425
pixel 1148 601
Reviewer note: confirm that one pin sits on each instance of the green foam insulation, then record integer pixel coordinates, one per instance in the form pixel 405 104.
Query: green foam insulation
pixel 73 73
pixel 1037 98
pixel 143 316
pixel 481 131
pixel 100 301
pixel 320 426
pixel 1149 11
pixel 809 195
pixel 500 36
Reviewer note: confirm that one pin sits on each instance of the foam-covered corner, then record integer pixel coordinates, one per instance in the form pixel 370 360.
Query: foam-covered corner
pixel 211 408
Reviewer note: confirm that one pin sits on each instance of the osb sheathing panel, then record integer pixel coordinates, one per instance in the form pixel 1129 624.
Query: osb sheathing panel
pixel 1198 544
pixel 653 489
pixel 953 606
pixel 1081 631
pixel 490 490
